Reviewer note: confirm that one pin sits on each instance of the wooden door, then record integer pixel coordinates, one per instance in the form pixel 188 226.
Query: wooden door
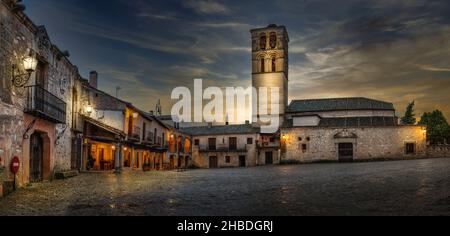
pixel 269 158
pixel 242 161
pixel 213 162
pixel 346 152
pixel 36 158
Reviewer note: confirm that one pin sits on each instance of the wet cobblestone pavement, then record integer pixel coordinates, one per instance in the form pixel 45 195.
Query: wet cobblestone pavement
pixel 418 187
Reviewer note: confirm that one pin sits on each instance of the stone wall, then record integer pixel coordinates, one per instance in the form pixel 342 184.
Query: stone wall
pixel 312 144
pixel 18 37
pixel 438 151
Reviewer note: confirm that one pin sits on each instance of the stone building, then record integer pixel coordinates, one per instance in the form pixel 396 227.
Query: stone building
pixel 36 80
pixel 224 146
pixel 340 129
pixel 348 129
pixel 270 64
pixel 119 136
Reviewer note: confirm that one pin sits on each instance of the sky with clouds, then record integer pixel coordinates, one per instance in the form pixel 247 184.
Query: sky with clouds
pixel 393 50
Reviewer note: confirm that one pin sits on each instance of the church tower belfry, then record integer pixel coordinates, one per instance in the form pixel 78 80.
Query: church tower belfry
pixel 270 62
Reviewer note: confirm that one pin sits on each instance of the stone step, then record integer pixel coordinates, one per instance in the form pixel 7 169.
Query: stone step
pixel 66 174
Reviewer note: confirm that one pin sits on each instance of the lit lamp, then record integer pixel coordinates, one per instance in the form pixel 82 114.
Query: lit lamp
pixel 89 109
pixel 424 130
pixel 135 115
pixel 29 65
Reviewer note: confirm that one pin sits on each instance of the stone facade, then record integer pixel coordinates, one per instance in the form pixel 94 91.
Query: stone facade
pixel 270 62
pixel 314 144
pixel 243 155
pixel 19 37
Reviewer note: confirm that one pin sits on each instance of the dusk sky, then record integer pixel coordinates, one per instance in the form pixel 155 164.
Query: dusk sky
pixel 396 51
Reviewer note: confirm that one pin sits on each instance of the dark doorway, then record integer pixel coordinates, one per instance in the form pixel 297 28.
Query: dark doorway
pixel 242 161
pixel 213 162
pixel 269 158
pixel 346 152
pixel 36 158
pixel 76 157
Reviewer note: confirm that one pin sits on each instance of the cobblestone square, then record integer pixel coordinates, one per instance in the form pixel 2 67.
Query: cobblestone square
pixel 418 187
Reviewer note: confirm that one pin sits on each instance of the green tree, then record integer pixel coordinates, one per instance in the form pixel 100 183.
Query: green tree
pixel 438 130
pixel 410 117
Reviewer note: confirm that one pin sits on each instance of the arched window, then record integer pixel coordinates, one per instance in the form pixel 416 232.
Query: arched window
pixel 263 65
pixel 263 41
pixel 274 64
pixel 273 40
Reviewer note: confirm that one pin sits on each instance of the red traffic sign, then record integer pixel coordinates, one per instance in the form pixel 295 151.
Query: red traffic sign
pixel 15 165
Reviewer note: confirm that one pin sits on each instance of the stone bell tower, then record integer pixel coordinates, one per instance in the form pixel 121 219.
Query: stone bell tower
pixel 270 62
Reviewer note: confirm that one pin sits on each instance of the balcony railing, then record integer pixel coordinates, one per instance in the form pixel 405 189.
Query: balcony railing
pixel 239 148
pixel 148 138
pixel 42 103
pixel 135 134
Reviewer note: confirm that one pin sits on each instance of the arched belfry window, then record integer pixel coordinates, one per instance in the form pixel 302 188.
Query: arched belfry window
pixel 274 64
pixel 263 65
pixel 262 41
pixel 273 40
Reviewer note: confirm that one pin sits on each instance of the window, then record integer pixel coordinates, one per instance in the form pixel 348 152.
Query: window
pixel 233 143
pixel 212 144
pixel 227 159
pixel 308 139
pixel 272 140
pixel 274 66
pixel 273 40
pixel 410 148
pixel 41 75
pixel 304 148
pixel 300 139
pixel 263 42
pixel 263 65
pixel 197 142
pixel 249 141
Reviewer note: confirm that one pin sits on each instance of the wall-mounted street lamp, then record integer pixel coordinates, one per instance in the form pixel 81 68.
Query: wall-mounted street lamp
pixel 89 109
pixel 135 115
pixel 20 79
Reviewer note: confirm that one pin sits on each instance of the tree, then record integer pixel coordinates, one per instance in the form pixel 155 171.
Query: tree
pixel 438 130
pixel 410 117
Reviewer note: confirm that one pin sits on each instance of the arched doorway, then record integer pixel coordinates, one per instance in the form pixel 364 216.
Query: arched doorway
pixel 36 157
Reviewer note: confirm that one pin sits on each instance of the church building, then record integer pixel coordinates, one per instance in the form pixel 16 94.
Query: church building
pixel 312 130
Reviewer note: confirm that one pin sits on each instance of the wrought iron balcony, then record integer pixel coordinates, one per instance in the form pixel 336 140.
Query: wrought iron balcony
pixel 148 138
pixel 242 148
pixel 135 134
pixel 43 104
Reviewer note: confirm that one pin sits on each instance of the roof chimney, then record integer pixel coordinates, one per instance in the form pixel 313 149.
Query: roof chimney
pixel 210 124
pixel 93 79
pixel 247 122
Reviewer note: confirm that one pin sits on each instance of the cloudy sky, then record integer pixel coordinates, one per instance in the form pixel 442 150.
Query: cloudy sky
pixel 391 50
